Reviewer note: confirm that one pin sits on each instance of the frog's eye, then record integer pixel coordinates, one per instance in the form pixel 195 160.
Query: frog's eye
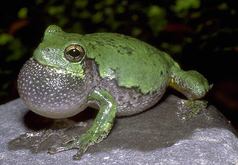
pixel 74 53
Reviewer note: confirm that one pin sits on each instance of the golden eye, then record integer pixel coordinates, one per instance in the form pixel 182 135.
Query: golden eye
pixel 74 53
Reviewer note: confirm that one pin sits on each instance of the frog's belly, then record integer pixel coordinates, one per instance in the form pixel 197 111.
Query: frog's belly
pixel 130 101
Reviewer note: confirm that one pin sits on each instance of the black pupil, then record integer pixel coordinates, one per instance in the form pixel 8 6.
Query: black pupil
pixel 74 53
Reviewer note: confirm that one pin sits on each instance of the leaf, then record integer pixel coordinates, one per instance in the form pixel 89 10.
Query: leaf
pixel 156 16
pixel 5 38
pixel 185 5
pixel 22 13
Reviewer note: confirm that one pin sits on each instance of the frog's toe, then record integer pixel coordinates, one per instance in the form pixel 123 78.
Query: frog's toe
pixel 34 141
pixel 80 143
pixel 79 154
pixel 66 145
pixel 189 109
pixel 56 149
pixel 81 150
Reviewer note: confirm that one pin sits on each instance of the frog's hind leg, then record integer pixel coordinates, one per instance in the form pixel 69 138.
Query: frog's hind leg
pixel 191 84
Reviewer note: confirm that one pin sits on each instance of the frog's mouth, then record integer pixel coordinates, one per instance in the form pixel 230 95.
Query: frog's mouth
pixel 50 93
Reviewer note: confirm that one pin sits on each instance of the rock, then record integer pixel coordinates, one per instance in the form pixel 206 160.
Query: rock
pixel 157 136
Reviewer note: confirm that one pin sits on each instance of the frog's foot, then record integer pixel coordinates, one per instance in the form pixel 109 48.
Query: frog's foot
pixel 36 141
pixel 78 142
pixel 189 109
pixel 98 131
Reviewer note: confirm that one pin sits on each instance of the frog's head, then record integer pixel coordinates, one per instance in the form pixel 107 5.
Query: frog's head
pixel 53 82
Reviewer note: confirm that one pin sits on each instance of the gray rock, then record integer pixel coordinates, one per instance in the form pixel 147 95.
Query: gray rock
pixel 157 136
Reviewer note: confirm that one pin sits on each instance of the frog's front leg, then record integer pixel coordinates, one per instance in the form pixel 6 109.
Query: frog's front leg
pixel 99 129
pixel 193 85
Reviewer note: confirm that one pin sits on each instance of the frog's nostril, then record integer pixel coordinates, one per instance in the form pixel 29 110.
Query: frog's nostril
pixel 47 50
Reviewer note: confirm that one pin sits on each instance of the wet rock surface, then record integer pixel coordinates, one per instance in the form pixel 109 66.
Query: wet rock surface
pixel 157 136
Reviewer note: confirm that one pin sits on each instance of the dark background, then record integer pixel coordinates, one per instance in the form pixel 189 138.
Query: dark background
pixel 199 34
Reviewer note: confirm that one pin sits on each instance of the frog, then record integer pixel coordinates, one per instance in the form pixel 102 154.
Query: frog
pixel 115 73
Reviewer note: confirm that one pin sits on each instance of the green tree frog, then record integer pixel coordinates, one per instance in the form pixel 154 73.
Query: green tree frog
pixel 119 74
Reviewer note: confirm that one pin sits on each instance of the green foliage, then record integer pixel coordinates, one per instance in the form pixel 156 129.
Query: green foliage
pixel 157 18
pixel 14 46
pixel 22 13
pixel 185 5
pixel 5 38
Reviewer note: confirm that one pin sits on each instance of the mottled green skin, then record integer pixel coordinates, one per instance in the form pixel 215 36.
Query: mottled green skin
pixel 132 62
pixel 118 56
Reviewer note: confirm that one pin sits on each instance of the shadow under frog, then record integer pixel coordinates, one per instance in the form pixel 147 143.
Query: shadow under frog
pixel 156 128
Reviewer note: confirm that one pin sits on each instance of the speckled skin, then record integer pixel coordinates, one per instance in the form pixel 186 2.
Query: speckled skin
pixel 120 74
pixel 47 91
